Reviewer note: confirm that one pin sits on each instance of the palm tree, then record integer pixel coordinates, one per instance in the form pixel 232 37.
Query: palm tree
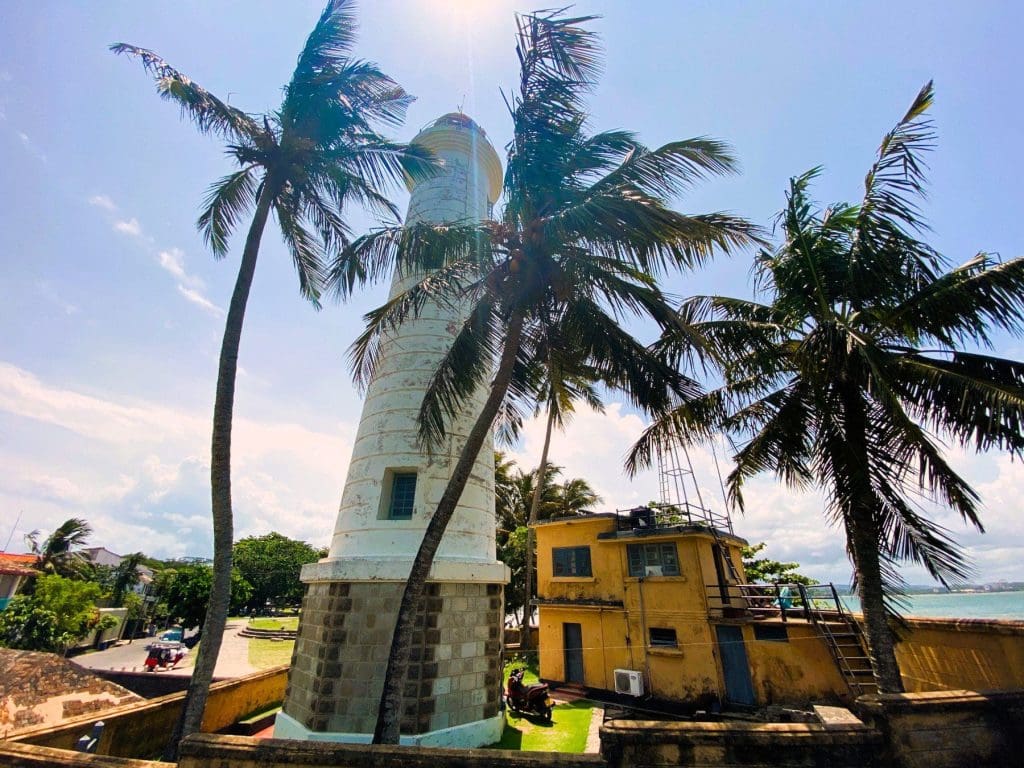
pixel 305 162
pixel 56 554
pixel 575 496
pixel 126 576
pixel 855 365
pixel 584 232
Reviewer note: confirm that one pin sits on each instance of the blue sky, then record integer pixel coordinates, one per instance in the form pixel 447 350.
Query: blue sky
pixel 112 308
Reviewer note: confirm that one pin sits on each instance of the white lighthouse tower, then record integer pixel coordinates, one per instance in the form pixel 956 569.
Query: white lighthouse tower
pixel 453 686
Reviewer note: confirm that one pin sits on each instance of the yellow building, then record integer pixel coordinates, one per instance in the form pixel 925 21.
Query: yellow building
pixel 655 603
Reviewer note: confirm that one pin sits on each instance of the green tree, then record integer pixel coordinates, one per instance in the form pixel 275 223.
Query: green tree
pixel 858 362
pixel 57 555
pixel 585 230
pixel 186 591
pixel 271 564
pixel 59 613
pixel 305 162
pixel 761 570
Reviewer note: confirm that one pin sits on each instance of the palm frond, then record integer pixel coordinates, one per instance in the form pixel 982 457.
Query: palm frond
pixel 307 253
pixel 465 368
pixel 226 202
pixel 210 114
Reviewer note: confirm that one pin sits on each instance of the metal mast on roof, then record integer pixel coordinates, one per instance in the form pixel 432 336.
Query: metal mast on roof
pixel 677 485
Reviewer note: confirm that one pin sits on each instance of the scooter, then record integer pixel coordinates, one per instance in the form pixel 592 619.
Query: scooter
pixel 528 698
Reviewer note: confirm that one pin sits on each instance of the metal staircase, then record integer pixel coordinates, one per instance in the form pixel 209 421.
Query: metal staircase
pixel 844 638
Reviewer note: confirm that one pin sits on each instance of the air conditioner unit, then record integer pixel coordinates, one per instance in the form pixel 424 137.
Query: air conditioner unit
pixel 629 681
pixel 654 570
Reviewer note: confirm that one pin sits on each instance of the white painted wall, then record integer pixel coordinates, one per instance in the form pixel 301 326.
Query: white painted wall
pixel 366 546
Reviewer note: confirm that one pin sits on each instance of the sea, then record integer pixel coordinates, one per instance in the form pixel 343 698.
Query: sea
pixel 960 605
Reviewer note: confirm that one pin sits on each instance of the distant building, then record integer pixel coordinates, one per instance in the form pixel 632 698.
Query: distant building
pixel 14 570
pixel 655 603
pixel 104 557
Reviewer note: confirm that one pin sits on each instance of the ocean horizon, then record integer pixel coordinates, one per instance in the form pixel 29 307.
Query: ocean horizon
pixel 960 605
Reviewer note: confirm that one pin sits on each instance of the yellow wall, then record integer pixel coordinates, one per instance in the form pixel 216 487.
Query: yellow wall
pixel 797 671
pixel 141 729
pixel 616 632
pixel 972 654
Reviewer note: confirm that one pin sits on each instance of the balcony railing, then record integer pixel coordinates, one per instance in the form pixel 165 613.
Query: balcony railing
pixel 764 601
pixel 657 516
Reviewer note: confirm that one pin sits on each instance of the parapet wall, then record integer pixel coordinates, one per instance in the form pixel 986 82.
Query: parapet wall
pixel 141 729
pixel 962 654
pixel 949 729
pixel 629 743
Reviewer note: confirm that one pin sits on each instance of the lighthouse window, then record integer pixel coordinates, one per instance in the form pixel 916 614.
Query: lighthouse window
pixel 403 491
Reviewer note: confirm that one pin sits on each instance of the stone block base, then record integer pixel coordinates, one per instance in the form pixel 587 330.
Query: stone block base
pixel 344 637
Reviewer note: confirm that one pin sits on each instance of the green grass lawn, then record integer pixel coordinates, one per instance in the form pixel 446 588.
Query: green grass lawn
pixel 269 653
pixel 567 731
pixel 275 623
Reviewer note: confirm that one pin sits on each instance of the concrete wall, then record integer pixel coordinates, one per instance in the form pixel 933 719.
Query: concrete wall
pixel 949 729
pixel 952 654
pixel 796 671
pixel 140 730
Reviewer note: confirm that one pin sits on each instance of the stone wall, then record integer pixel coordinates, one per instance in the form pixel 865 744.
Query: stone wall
pixel 203 751
pixel 641 744
pixel 343 643
pixel 949 729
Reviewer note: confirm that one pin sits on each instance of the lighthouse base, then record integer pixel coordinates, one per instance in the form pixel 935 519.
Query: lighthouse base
pixel 466 736
pixel 452 691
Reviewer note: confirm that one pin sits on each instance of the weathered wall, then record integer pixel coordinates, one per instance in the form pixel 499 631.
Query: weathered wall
pixel 140 730
pixel 148 685
pixel 971 654
pixel 949 729
pixel 14 755
pixel 641 744
pixel 344 638
pixel 796 671
pixel 203 751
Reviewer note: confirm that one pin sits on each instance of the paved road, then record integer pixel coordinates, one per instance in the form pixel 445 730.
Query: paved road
pixel 232 661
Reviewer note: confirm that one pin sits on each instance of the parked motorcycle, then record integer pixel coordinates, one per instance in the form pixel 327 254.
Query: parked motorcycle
pixel 528 698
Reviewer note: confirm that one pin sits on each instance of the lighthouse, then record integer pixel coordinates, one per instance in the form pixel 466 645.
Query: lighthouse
pixel 453 686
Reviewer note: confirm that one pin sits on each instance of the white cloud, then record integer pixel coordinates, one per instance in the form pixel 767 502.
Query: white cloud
pixel 792 522
pixel 128 227
pixel 199 300
pixel 104 202
pixel 139 470
pixel 30 147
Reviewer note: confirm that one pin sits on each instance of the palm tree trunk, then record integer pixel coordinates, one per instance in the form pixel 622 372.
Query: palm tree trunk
pixel 220 484
pixel 864 537
pixel 389 715
pixel 538 489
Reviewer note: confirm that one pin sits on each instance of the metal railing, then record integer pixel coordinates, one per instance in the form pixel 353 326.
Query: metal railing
pixel 785 601
pixel 671 515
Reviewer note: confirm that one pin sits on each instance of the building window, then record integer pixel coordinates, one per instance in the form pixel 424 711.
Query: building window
pixel 571 561
pixel 653 559
pixel 771 632
pixel 403 492
pixel 663 638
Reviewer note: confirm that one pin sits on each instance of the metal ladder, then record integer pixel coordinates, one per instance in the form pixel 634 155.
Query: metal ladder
pixel 847 646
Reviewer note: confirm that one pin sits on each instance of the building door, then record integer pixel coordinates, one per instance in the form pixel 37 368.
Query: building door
pixel 572 641
pixel 738 688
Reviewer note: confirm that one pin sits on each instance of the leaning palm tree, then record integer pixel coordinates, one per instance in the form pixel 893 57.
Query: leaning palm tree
pixel 585 230
pixel 57 554
pixel 305 162
pixel 858 361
